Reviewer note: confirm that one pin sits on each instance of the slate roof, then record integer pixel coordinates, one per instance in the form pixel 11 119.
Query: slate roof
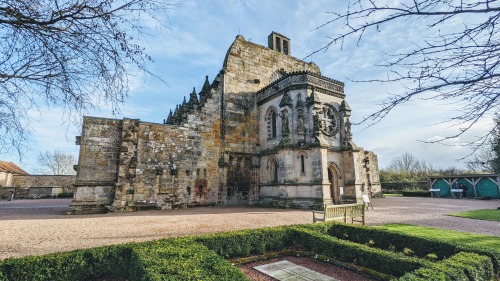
pixel 9 167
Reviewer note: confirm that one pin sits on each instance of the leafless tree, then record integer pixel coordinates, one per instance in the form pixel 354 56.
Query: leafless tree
pixel 410 166
pixel 457 65
pixel 56 163
pixel 482 161
pixel 68 54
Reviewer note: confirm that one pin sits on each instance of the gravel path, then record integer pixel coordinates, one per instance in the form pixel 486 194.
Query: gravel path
pixel 33 227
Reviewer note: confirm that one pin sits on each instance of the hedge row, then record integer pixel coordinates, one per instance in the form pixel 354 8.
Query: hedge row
pixel 416 193
pixel 169 259
pixel 247 242
pixel 202 257
pixel 462 266
pixel 180 259
pixel 398 241
pixel 88 264
pixel 383 261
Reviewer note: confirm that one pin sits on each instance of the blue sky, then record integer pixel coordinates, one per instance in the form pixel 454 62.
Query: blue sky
pixel 195 43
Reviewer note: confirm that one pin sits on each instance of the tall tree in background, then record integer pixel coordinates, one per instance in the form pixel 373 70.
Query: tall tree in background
pixel 406 167
pixel 56 163
pixel 482 161
pixel 459 65
pixel 69 54
pixel 495 147
pixel 488 159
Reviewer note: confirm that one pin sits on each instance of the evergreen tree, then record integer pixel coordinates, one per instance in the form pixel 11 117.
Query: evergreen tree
pixel 495 146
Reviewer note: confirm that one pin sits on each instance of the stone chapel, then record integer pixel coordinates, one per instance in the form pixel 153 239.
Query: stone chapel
pixel 268 130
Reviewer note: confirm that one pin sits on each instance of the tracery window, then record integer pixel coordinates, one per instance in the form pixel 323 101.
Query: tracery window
pixel 271 122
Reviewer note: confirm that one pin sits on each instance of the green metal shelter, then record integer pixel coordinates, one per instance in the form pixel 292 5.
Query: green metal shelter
pixel 477 186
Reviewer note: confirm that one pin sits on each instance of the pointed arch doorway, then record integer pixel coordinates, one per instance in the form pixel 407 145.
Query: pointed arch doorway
pixel 333 178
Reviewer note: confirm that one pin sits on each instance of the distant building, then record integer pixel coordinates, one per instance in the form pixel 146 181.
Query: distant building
pixel 7 172
pixel 470 186
pixel 268 130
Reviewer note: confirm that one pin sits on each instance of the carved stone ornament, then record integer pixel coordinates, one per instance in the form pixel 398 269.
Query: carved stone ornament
pixel 328 119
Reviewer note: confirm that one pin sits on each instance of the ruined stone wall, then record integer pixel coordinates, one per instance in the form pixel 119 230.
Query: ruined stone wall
pixel 99 151
pixel 97 171
pixel 171 166
pixel 64 181
pixel 373 178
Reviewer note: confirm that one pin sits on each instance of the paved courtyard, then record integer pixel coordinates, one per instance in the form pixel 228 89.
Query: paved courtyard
pixel 33 227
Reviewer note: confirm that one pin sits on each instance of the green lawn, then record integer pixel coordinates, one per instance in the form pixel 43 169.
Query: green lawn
pixel 451 235
pixel 393 195
pixel 486 214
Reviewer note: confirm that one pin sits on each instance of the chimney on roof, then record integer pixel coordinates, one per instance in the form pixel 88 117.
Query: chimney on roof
pixel 279 43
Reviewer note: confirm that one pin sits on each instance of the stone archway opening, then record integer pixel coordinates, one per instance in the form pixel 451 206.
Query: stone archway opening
pixel 333 178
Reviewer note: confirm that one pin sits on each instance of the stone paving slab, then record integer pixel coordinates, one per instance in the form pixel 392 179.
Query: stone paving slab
pixel 288 271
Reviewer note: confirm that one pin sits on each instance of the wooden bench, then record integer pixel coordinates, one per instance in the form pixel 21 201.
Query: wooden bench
pixel 333 212
pixel 432 190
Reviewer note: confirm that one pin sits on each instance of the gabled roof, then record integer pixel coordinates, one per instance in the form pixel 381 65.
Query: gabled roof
pixel 9 167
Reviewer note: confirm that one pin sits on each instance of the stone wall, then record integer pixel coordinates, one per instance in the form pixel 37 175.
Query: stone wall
pixel 249 67
pixel 99 151
pixel 65 181
pixel 5 179
pixel 97 171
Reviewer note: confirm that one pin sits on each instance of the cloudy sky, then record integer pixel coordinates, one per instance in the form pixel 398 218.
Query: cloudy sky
pixel 195 43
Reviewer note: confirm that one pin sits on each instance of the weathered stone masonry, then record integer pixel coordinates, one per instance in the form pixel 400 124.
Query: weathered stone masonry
pixel 268 130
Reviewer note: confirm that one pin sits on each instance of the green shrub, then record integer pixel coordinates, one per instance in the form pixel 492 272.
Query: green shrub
pixel 201 257
pixel 383 261
pixel 391 240
pixel 397 241
pixel 179 259
pixel 247 242
pixel 431 257
pixel 65 195
pixel 416 193
pixel 462 266
pixel 88 264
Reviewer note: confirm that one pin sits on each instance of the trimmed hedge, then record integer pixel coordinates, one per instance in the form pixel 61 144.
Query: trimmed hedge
pixel 180 259
pixel 397 241
pixel 416 193
pixel 247 242
pixel 462 266
pixel 202 257
pixel 110 261
pixel 383 261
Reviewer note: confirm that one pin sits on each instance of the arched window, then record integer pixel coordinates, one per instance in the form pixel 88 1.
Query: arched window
pixel 302 165
pixel 273 126
pixel 273 169
pixel 302 156
pixel 271 120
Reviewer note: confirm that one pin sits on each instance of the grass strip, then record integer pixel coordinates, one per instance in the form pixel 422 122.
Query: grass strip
pixel 459 237
pixel 484 214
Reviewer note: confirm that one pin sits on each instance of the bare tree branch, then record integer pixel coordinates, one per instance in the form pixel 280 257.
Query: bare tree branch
pixel 71 54
pixel 56 163
pixel 460 66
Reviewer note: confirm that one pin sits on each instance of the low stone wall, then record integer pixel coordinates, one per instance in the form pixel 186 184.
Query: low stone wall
pixel 65 181
pixel 19 192
pixel 35 192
